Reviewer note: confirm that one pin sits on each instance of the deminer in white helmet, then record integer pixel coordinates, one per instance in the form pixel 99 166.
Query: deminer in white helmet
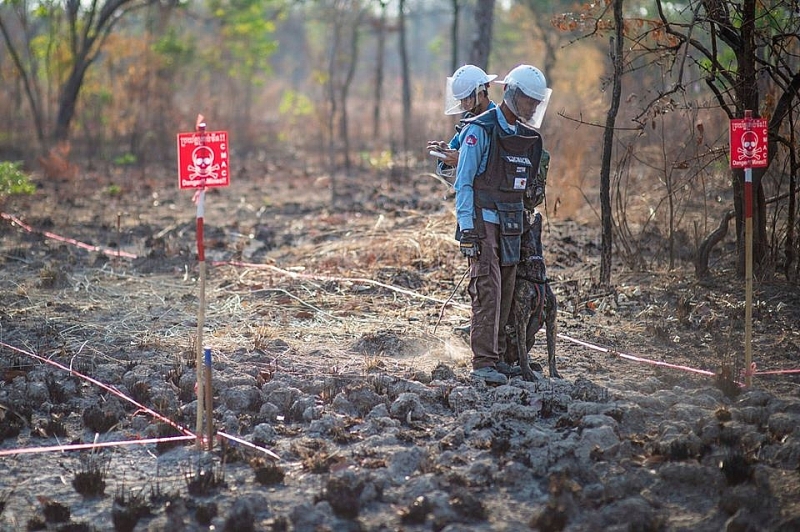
pixel 466 93
pixel 526 94
pixel 498 161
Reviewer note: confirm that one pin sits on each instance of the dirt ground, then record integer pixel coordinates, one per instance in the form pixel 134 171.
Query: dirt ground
pixel 332 330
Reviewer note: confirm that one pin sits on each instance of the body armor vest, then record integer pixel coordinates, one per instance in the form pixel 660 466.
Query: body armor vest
pixel 512 166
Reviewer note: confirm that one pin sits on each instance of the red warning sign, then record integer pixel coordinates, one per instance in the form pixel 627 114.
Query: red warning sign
pixel 203 159
pixel 748 139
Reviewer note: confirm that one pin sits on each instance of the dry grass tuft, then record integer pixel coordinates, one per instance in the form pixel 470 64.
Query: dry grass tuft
pixel 204 478
pixel 129 507
pixel 267 472
pixel 90 480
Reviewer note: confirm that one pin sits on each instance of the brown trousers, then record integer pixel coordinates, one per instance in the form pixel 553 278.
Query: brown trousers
pixel 491 290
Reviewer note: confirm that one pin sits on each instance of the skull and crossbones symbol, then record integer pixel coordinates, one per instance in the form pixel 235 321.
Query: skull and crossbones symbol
pixel 750 148
pixel 203 158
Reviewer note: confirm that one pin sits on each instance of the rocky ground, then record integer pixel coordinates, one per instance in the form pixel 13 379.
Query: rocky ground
pixel 334 351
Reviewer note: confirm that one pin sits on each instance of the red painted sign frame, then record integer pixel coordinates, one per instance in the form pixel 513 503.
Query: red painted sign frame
pixel 748 143
pixel 203 159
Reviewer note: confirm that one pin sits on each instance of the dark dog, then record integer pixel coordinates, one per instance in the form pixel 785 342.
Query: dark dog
pixel 534 303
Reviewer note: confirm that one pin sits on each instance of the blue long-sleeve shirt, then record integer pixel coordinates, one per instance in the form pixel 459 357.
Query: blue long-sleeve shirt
pixel 455 142
pixel 473 155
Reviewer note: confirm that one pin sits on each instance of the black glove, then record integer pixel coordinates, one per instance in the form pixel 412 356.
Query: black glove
pixel 470 245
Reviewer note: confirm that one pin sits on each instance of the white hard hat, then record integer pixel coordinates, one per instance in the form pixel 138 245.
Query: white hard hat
pixel 464 81
pixel 529 81
pixel 468 78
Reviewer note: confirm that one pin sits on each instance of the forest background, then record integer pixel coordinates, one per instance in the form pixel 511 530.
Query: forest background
pixel 333 260
pixel 346 89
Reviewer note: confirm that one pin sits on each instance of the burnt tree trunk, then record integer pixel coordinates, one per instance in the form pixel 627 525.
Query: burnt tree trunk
pixel 454 36
pixel 482 43
pixel 406 84
pixel 379 69
pixel 791 215
pixel 608 146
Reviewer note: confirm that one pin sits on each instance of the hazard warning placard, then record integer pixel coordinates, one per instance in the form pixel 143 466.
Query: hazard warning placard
pixel 203 159
pixel 748 140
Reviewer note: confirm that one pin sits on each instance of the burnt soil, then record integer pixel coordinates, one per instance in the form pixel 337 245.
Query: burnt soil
pixel 334 351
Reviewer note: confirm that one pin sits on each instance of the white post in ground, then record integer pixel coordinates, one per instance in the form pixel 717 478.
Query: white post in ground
pixel 748 150
pixel 748 263
pixel 201 308
pixel 209 401
pixel 203 162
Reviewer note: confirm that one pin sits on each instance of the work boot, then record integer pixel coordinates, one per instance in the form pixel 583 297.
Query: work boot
pixel 489 375
pixel 508 370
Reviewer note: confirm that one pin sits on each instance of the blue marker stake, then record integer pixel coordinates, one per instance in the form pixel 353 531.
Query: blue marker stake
pixel 209 401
